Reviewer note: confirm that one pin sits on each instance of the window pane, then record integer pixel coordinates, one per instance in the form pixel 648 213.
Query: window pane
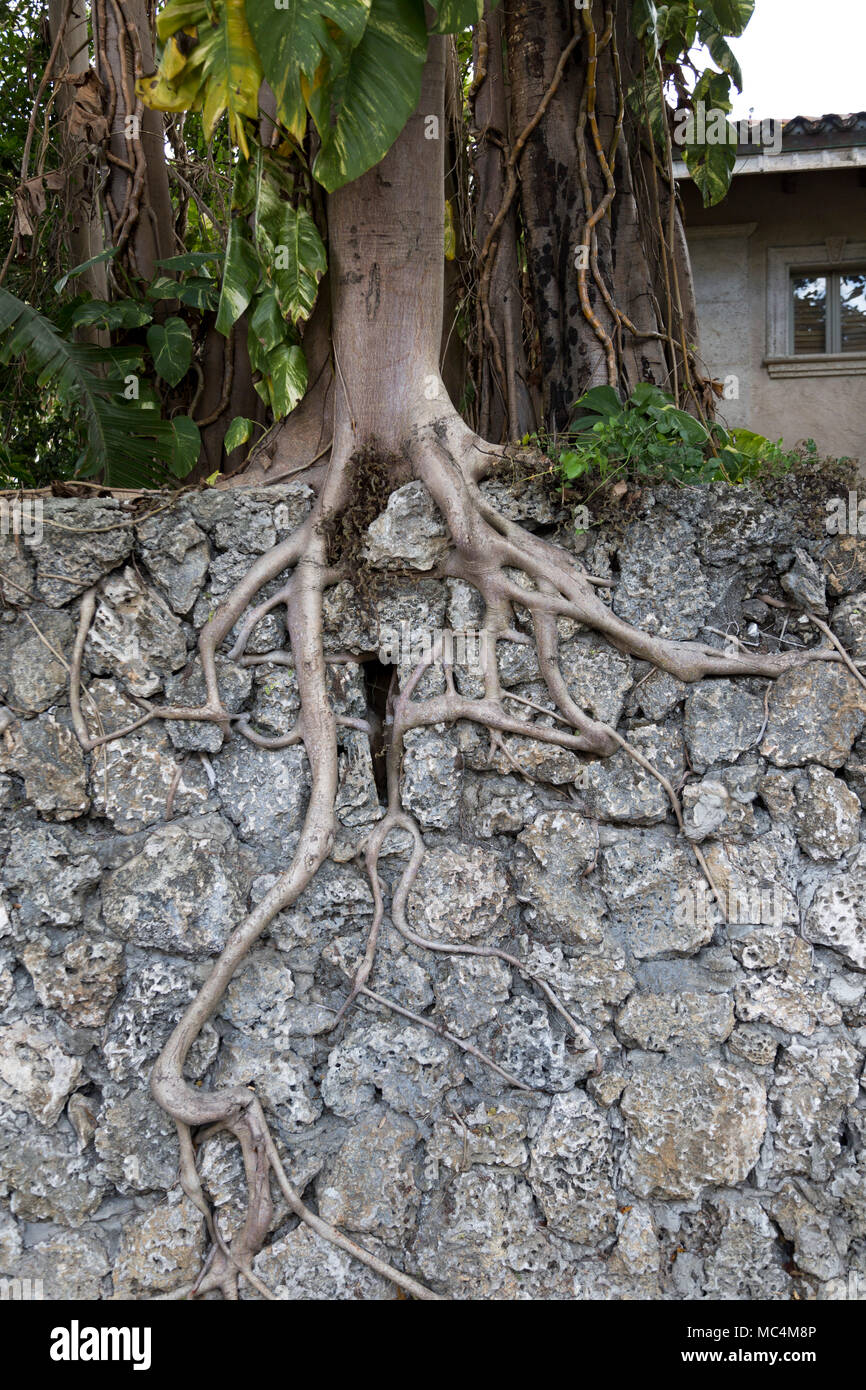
pixel 810 313
pixel 853 286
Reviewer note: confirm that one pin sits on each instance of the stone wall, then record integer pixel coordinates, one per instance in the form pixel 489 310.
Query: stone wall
pixel 719 1153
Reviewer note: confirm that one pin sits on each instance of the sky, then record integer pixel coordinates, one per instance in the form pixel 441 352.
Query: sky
pixel 803 58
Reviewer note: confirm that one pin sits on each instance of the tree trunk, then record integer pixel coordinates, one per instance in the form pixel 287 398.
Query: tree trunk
pixel 505 408
pixel 137 192
pixel 84 229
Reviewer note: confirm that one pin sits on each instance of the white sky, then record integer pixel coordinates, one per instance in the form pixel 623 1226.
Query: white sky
pixel 802 58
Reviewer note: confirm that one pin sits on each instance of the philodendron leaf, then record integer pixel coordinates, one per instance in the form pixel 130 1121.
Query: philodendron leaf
pixel 292 254
pixel 237 433
pixel 286 380
pixel 302 43
pixel 240 276
pixel 378 92
pixel 182 446
pixel 170 345
pixel 732 15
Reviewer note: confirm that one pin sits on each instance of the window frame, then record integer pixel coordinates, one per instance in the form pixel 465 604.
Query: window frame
pixel 782 263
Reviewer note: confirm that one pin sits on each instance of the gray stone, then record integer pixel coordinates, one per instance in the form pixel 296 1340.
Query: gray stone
pixel 132 778
pixel 621 789
pixel 460 896
pixel 598 677
pixel 536 1050
pixel 264 792
pixel 815 1251
pixel 849 625
pixel 43 1173
pixel 47 755
pixel 827 818
pixel 70 1265
pixel 493 1134
pixel 183 892
pixel 805 584
pixel 430 783
pixel 754 1044
pixel 655 893
pixel 32 676
pixel 665 1022
pixel 691 1125
pixel 469 991
pixel 837 915
pixel 18 571
pixel 498 805
pixel 301 1266
pixel 48 872
pixel 748 1261
pixel 188 689
pixel 83 542
pixel 81 981
pixel 661 587
pixel 160 1250
pixel 134 635
pixel 282 1080
pixel 411 532
pixel 659 693
pixel 177 555
pixel 570 1170
pixel 149 1006
pixel 816 712
pixel 257 999
pixel 722 721
pixel 815 1081
pixel 137 1143
pixel 409 1066
pixel 36 1075
pixel 386 1209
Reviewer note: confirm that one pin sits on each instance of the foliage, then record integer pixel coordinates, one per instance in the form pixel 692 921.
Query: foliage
pixel 670 33
pixel 122 435
pixel 648 438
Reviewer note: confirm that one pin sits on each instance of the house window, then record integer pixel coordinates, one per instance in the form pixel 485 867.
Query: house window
pixel 829 311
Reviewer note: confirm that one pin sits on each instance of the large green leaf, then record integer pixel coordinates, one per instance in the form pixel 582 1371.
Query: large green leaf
pixel 378 92
pixel 710 160
pixel 298 46
pixel 291 252
pixel 232 68
pixel 286 381
pixel 454 15
pixel 240 276
pixel 267 327
pixel 731 16
pixel 722 54
pixel 170 345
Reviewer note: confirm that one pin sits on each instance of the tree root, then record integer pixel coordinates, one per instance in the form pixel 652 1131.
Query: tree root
pixel 451 462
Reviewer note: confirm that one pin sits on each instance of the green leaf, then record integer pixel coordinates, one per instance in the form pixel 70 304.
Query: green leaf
pixel 711 167
pixel 238 433
pixel 192 260
pixel 170 345
pixel 305 44
pixel 731 16
pixel 199 293
pixel 377 94
pixel 291 252
pixel 232 68
pixel 603 400
pixel 99 313
pixel 720 51
pixel 125 438
pixel 240 276
pixel 645 23
pixel 454 15
pixel 267 327
pixel 182 445
pixel 286 379
pixel 60 285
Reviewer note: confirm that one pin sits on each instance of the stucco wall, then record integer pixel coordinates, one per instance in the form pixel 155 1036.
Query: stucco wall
pixel 729 245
